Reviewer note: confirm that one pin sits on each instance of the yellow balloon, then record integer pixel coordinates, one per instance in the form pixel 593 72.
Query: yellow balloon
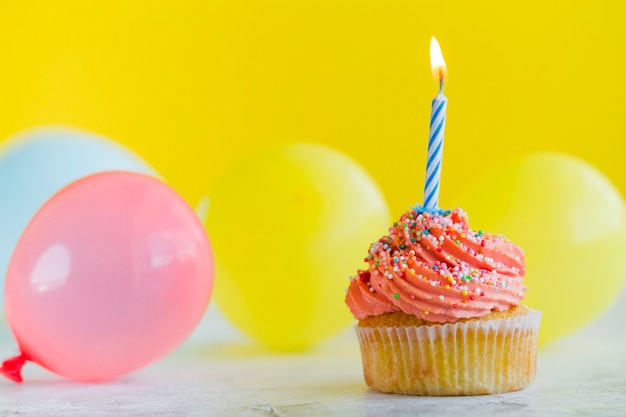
pixel 571 222
pixel 288 228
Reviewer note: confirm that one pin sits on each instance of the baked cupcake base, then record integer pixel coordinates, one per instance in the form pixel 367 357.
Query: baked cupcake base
pixel 492 354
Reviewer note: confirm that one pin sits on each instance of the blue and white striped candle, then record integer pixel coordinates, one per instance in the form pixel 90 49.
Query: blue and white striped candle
pixel 437 127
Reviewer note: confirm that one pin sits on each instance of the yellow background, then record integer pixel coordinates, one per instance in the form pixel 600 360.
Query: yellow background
pixel 196 86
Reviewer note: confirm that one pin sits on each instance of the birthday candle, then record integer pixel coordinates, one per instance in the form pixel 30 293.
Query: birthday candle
pixel 437 127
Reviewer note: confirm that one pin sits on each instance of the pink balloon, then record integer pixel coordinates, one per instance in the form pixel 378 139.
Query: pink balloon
pixel 111 274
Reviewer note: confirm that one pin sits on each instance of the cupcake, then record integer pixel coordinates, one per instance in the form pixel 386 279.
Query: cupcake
pixel 439 309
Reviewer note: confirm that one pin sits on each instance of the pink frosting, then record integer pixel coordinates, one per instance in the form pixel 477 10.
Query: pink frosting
pixel 435 267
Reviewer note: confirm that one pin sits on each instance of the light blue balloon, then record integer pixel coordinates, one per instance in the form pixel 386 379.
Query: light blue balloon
pixel 37 163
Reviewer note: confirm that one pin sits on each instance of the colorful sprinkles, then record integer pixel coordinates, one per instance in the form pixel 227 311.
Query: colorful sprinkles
pixel 447 253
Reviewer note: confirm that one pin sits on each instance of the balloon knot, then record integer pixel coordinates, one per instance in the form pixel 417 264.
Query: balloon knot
pixel 12 368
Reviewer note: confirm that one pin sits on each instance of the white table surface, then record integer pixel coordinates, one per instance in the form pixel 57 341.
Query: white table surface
pixel 218 372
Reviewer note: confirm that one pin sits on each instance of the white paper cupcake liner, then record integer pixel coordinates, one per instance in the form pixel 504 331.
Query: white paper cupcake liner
pixel 470 358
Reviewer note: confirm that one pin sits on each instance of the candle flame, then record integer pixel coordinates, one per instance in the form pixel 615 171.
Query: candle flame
pixel 440 72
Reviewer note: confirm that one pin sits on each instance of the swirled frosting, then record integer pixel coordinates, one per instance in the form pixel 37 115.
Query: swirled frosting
pixel 433 266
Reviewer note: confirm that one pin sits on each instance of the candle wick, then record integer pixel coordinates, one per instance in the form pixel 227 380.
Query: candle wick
pixel 440 84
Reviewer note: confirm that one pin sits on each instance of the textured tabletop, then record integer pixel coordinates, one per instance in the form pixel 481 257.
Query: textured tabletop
pixel 217 372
